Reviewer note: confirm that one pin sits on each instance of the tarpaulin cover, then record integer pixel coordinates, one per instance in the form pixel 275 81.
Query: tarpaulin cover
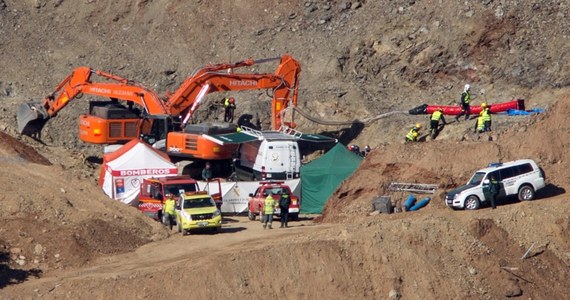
pixel 321 177
pixel 122 171
pixel 235 195
pixel 518 104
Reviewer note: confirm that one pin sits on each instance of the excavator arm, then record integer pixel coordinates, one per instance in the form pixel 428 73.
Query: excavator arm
pixel 32 117
pixel 220 78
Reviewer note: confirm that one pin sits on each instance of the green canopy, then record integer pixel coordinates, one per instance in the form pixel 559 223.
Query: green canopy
pixel 244 137
pixel 230 138
pixel 321 177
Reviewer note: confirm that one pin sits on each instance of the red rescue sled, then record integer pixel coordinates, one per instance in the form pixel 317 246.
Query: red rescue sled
pixel 425 109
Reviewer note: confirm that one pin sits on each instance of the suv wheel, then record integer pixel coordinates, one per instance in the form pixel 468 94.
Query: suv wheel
pixel 472 203
pixel 526 193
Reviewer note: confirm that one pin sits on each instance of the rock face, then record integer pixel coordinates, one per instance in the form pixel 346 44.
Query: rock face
pixel 396 58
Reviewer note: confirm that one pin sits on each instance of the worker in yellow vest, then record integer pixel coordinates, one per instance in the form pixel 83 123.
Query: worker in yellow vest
pixel 168 211
pixel 480 125
pixel 464 101
pixel 268 210
pixel 229 107
pixel 413 134
pixel 434 123
pixel 486 116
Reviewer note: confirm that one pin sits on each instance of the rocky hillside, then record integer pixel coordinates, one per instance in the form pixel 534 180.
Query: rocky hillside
pixel 359 59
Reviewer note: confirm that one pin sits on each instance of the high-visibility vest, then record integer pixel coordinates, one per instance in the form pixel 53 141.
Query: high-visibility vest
pixel 227 102
pixel 486 115
pixel 169 206
pixel 436 115
pixel 412 134
pixel 480 123
pixel 465 97
pixel 269 205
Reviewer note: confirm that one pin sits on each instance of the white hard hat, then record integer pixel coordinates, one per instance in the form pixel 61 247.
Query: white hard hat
pixel 467 87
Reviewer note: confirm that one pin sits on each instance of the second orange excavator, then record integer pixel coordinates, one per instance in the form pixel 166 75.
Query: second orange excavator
pixel 163 122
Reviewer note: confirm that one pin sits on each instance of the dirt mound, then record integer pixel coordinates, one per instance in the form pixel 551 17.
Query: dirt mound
pixel 421 255
pixel 15 150
pixel 51 219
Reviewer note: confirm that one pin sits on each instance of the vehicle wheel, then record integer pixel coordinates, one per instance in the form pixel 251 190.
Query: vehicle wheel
pixel 294 217
pixel 526 193
pixel 472 203
pixel 250 215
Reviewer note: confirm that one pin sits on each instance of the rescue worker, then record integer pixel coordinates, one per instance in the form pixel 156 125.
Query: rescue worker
pixel 434 122
pixel 268 210
pixel 465 108
pixel 367 150
pixel 207 172
pixel 229 107
pixel 494 188
pixel 480 124
pixel 284 203
pixel 168 212
pixel 486 113
pixel 413 134
pixel 354 149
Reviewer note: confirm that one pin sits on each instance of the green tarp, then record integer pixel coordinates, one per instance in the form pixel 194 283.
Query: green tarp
pixel 231 138
pixel 321 177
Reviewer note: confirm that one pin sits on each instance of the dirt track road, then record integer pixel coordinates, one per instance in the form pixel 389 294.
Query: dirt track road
pixel 238 232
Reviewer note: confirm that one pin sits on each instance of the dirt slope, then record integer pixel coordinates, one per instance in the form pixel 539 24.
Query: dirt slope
pixel 51 220
pixel 359 59
pixel 450 163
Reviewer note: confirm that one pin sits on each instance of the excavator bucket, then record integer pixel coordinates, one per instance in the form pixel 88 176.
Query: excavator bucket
pixel 31 119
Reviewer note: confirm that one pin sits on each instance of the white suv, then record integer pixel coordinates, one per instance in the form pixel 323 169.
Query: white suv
pixel 521 177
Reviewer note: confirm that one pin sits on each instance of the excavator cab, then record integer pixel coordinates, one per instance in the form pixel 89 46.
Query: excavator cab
pixel 154 129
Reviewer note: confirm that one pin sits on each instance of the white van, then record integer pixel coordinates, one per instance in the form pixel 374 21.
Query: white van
pixel 274 157
pixel 521 177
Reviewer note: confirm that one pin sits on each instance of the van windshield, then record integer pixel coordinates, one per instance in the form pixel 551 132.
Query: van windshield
pixel 477 178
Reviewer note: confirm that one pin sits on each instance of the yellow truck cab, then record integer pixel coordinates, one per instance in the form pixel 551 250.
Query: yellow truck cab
pixel 197 210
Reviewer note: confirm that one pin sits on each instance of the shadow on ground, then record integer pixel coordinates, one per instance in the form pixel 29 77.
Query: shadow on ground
pixel 13 276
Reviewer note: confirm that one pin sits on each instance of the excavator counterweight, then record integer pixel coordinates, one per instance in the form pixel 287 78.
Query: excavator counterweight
pixel 31 119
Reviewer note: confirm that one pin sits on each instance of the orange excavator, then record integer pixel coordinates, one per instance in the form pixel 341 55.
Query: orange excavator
pixel 163 123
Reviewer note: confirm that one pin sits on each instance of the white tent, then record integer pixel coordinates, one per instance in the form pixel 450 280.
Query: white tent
pixel 123 170
pixel 235 195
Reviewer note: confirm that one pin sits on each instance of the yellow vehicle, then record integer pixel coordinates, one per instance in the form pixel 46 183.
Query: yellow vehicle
pixel 197 210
